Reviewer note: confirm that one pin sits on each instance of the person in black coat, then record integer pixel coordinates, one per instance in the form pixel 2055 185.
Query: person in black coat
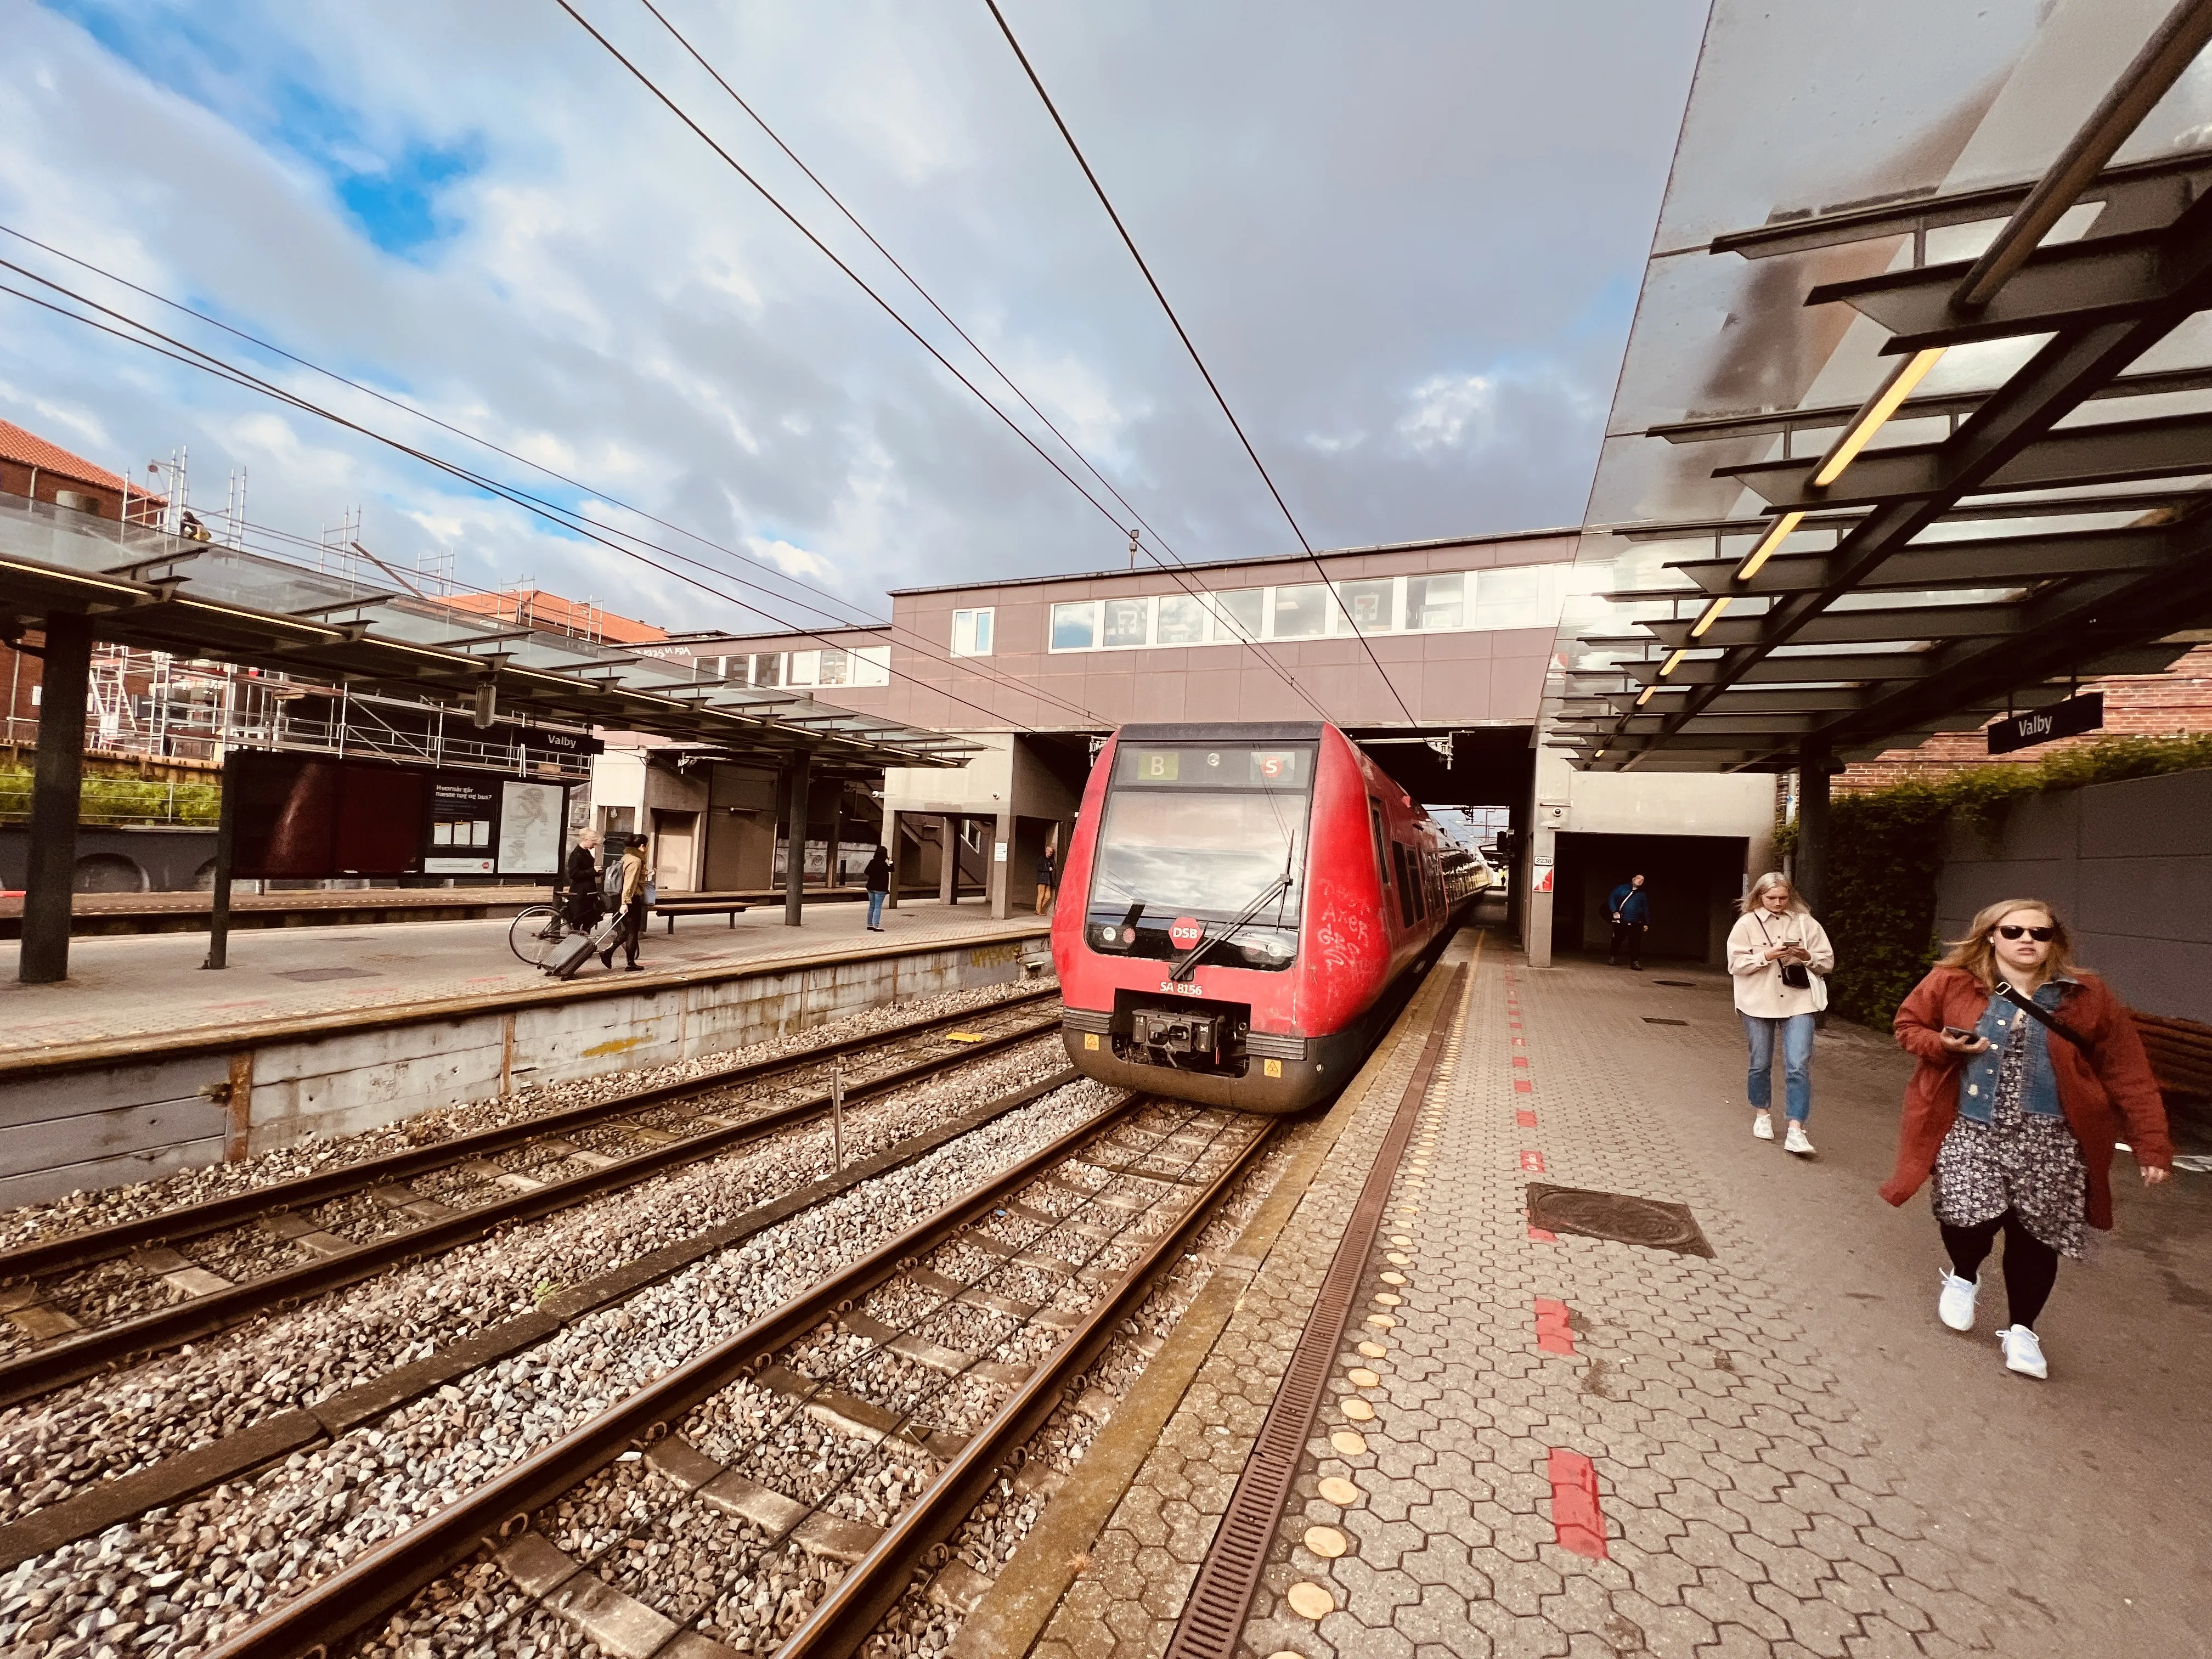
pixel 879 878
pixel 583 905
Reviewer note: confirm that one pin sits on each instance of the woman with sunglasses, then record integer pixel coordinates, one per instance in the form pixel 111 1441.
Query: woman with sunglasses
pixel 2015 1113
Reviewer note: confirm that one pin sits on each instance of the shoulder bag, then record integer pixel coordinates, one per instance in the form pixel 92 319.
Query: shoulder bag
pixel 2033 1010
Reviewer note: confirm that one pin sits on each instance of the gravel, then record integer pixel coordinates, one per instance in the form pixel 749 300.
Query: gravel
pixel 324 1507
pixel 82 1211
pixel 172 1403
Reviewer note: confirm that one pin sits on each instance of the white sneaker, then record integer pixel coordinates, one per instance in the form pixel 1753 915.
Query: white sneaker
pixel 1795 1141
pixel 2022 1352
pixel 1762 1126
pixel 1955 1307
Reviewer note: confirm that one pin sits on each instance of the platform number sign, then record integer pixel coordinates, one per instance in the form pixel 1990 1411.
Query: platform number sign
pixel 1158 765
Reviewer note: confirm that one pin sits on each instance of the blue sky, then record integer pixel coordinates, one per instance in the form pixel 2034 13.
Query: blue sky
pixel 1407 243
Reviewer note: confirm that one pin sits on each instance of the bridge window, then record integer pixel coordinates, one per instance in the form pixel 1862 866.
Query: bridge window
pixel 971 633
pixel 1074 627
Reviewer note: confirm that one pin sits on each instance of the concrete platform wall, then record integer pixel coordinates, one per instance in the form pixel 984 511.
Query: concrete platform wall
pixel 140 1110
pixel 2127 864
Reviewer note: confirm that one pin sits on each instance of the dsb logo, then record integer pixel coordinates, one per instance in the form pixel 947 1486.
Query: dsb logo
pixel 1185 931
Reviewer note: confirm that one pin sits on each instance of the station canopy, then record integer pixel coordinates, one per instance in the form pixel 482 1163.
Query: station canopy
pixel 204 601
pixel 1915 423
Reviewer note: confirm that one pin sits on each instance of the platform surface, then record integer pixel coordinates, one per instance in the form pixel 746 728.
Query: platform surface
pixel 1792 1456
pixel 138 985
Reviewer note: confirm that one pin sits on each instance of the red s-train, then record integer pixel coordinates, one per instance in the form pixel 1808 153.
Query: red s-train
pixel 1242 908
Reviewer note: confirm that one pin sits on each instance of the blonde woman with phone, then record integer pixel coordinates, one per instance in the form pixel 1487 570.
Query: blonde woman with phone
pixel 2029 1065
pixel 1780 959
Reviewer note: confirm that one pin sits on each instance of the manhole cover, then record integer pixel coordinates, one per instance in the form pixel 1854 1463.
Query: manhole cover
pixel 1653 1020
pixel 1616 1216
pixel 328 973
pixel 1679 984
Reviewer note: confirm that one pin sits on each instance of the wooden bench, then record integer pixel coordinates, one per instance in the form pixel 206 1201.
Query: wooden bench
pixel 2180 1053
pixel 674 907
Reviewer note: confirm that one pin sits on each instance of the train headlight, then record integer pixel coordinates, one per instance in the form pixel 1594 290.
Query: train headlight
pixel 1107 935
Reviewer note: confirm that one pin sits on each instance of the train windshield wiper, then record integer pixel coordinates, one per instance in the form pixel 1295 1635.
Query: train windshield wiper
pixel 1182 964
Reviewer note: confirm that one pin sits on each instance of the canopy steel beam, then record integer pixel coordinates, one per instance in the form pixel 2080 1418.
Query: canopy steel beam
pixel 1968 561
pixel 2115 452
pixel 1898 622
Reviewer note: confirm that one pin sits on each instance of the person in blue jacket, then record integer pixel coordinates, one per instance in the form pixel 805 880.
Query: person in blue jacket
pixel 1630 907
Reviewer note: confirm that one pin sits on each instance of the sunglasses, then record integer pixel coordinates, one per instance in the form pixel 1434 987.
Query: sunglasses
pixel 2040 935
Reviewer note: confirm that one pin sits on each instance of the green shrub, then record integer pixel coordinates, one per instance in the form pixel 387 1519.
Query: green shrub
pixel 111 800
pixel 1883 857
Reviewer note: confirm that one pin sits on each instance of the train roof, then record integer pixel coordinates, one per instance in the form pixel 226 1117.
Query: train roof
pixel 1215 731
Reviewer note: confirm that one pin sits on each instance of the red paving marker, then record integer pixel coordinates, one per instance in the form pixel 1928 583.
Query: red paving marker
pixel 1525 1119
pixel 1553 1334
pixel 1520 1060
pixel 1575 1510
pixel 1533 1163
pixel 1522 1086
pixel 1539 1236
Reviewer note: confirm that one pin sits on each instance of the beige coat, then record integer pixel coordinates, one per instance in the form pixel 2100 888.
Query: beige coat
pixel 1758 986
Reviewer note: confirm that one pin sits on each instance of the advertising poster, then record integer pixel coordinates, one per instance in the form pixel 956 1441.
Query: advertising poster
pixel 529 829
pixel 462 814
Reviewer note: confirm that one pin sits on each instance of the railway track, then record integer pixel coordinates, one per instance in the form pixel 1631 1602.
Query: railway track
pixel 517 1172
pixel 826 1450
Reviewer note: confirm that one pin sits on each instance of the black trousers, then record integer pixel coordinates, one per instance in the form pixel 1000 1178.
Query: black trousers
pixel 631 933
pixel 2031 1267
pixel 1628 934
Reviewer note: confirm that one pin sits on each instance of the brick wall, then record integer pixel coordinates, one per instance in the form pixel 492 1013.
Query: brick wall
pixel 2175 702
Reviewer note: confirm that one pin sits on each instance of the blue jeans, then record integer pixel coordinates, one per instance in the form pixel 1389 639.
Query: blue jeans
pixel 1796 1033
pixel 876 909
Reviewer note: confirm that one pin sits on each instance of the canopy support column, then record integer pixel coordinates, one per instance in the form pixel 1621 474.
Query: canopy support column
pixel 795 836
pixel 57 793
pixel 1811 862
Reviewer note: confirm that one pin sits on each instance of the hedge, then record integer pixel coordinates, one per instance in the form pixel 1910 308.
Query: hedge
pixel 1883 857
pixel 110 799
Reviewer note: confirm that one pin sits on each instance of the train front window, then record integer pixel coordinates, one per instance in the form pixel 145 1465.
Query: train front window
pixel 1186 838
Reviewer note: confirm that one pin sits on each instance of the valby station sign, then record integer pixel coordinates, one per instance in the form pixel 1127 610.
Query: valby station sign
pixel 2068 719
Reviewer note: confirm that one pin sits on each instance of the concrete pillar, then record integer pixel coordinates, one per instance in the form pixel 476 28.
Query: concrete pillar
pixel 891 846
pixel 998 876
pixel 836 835
pixel 948 862
pixel 1811 860
pixel 794 860
pixel 57 786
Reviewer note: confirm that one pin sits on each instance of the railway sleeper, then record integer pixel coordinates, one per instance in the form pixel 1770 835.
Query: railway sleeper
pixel 177 1271
pixel 828 1537
pixel 935 1355
pixel 619 1624
pixel 298 1231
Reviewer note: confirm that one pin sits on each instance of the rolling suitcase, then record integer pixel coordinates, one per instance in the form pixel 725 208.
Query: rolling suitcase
pixel 576 949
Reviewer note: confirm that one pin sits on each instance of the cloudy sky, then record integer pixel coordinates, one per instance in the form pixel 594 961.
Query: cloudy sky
pixel 1406 239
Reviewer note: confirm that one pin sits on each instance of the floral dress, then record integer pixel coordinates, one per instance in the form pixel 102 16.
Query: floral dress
pixel 2021 1161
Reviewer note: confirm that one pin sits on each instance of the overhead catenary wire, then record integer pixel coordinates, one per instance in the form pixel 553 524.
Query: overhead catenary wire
pixel 891 630
pixel 207 362
pixel 1181 566
pixel 1183 334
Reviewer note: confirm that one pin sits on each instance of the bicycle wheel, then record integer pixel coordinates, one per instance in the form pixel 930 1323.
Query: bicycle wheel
pixel 536 932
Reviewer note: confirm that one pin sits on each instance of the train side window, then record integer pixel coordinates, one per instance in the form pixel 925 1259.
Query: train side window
pixel 1375 824
pixel 1419 886
pixel 1404 887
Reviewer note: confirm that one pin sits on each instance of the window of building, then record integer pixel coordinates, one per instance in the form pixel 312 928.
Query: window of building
pixel 801 666
pixel 1074 627
pixel 1509 598
pixel 767 668
pixel 1301 612
pixel 971 633
pixel 1128 622
pixel 1240 610
pixel 871 664
pixel 1434 601
pixel 832 669
pixel 1182 621
pixel 1367 603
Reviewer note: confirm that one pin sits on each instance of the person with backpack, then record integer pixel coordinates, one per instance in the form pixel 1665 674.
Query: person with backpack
pixel 2028 1066
pixel 1631 908
pixel 627 884
pixel 877 876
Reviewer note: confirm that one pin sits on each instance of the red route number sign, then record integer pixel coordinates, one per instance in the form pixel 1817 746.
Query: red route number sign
pixel 1185 931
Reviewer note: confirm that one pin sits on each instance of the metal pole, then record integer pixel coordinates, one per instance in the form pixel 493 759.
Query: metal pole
pixel 837 1115
pixel 226 839
pixel 1811 861
pixel 57 793
pixel 794 861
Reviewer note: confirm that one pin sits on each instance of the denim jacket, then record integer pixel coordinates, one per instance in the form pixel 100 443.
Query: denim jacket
pixel 1977 1095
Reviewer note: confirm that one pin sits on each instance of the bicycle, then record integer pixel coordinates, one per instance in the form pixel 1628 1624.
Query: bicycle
pixel 534 933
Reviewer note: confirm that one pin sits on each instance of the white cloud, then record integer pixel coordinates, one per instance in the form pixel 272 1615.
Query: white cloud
pixel 792 561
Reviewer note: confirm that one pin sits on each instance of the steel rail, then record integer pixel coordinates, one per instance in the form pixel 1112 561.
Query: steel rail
pixel 112 1346
pixel 72 1252
pixel 320 1620
pixel 841 1621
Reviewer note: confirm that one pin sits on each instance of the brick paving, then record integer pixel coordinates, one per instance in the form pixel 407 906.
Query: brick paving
pixel 1744 1504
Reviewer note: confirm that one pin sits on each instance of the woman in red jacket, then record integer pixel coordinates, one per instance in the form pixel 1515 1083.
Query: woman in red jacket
pixel 2016 1115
